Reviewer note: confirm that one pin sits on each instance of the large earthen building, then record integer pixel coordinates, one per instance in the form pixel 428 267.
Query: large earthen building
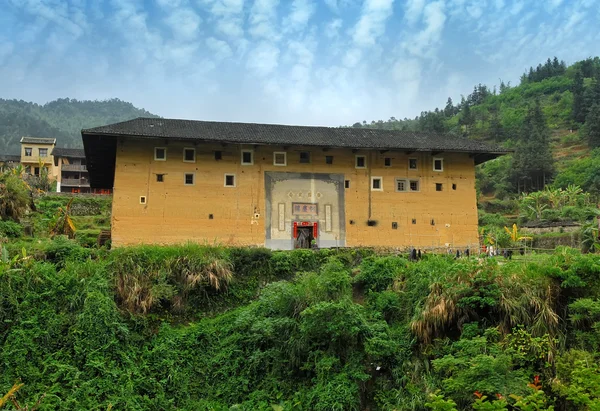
pixel 285 187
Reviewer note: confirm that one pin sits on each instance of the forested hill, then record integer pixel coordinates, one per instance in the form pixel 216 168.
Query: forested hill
pixel 63 119
pixel 551 120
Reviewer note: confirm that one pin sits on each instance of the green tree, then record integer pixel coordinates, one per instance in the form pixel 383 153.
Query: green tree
pixel 466 116
pixel 592 126
pixel 533 164
pixel 449 109
pixel 578 98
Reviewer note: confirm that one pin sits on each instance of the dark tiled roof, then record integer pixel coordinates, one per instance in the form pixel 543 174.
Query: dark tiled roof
pixel 68 152
pixel 37 140
pixel 274 134
pixel 5 158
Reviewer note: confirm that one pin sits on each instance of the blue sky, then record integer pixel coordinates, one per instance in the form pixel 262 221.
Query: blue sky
pixel 314 62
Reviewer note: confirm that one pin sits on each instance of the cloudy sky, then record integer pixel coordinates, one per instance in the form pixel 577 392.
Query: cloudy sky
pixel 316 62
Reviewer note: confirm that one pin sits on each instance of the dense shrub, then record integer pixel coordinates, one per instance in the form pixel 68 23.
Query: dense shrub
pixel 309 342
pixel 10 229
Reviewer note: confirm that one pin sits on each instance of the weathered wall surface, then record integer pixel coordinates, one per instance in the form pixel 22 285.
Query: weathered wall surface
pixel 175 213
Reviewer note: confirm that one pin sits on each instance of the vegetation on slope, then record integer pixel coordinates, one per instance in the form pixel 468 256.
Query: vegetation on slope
pixel 62 119
pixel 323 330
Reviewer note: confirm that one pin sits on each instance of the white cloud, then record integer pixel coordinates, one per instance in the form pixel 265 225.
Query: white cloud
pixel 184 23
pixel 413 10
pixel 6 49
pixel 552 4
pixel 427 40
pixel 371 24
pixel 219 47
pixel 263 59
pixel 263 19
pixel 332 29
pixel 56 13
pixel 574 19
pixel 229 16
pixel 517 7
pixel 301 12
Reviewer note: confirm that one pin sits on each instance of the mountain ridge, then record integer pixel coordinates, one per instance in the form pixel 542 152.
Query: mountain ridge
pixel 63 118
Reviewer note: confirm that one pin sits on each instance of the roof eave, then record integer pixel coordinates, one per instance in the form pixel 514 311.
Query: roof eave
pixel 90 132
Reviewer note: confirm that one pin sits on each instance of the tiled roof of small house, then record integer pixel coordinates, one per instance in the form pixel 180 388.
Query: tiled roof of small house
pixel 68 152
pixel 14 158
pixel 275 134
pixel 38 140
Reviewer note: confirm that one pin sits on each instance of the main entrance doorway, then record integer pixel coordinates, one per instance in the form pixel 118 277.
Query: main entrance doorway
pixel 305 234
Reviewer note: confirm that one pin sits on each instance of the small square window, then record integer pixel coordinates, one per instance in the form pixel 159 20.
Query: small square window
pixel 412 163
pixel 414 185
pixel 414 221
pixel 454 186
pixel 305 157
pixel 189 155
pixel 160 178
pixel 188 179
pixel 229 180
pixel 43 152
pixel 376 183
pixel 160 153
pixel 360 162
pixel 401 185
pixel 247 157
pixel 438 164
pixel 328 159
pixel 387 162
pixel 280 158
pixel 28 151
pixel 218 155
pixel 346 183
pixel 142 199
pixel 438 187
pixel 394 225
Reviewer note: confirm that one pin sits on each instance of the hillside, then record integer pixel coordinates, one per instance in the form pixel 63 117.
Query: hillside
pixel 568 123
pixel 62 118
pixel 207 328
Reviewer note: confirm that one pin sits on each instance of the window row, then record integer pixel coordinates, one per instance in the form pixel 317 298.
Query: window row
pixel 280 158
pixel 43 152
pixel 401 185
pixel 189 179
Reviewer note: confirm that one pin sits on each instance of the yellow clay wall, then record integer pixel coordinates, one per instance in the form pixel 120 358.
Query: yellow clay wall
pixel 176 213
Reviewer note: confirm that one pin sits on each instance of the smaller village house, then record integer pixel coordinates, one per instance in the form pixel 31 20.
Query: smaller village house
pixel 36 155
pixel 65 166
pixel 285 186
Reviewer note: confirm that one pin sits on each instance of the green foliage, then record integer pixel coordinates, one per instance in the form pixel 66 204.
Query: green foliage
pixel 554 204
pixel 10 229
pixel 274 338
pixel 377 274
pixel 533 164
pixel 578 379
pixel 479 364
pixel 15 196
pixel 581 172
pixel 437 402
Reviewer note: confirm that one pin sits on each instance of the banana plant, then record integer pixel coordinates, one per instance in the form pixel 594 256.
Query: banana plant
pixel 514 234
pixel 64 224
